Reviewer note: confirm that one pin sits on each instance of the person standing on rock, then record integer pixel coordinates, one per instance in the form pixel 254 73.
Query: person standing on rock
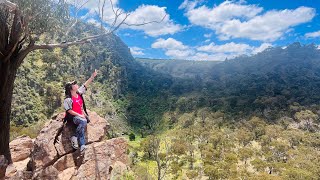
pixel 75 110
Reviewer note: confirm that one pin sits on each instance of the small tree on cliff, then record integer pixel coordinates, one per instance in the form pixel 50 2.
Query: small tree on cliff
pixel 22 24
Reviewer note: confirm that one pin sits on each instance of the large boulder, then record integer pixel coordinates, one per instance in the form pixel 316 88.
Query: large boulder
pixel 20 148
pixel 54 140
pixel 97 162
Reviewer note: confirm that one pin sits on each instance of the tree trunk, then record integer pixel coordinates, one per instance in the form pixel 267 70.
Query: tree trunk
pixel 159 168
pixel 7 76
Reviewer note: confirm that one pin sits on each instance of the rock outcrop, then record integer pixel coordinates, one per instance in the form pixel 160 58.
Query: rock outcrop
pixel 20 149
pixel 50 155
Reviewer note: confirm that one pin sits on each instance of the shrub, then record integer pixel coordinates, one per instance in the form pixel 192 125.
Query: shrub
pixel 132 137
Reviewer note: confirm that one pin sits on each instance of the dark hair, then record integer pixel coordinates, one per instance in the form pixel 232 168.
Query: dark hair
pixel 68 88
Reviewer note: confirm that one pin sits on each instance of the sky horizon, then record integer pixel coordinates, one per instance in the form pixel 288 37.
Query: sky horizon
pixel 212 30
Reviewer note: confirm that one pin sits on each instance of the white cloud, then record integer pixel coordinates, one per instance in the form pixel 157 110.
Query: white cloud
pixel 237 20
pixel 169 43
pixel 268 27
pixel 136 51
pixel 94 22
pixel 211 57
pixel 173 48
pixel 313 34
pixel 187 4
pixel 226 48
pixel 207 35
pixel 150 13
pixel 177 50
pixel 179 54
pixel 261 48
pixel 93 7
pixel 208 17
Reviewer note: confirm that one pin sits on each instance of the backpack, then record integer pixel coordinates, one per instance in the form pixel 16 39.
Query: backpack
pixel 69 117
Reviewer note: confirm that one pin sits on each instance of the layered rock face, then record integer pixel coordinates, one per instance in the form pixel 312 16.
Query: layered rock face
pixel 51 156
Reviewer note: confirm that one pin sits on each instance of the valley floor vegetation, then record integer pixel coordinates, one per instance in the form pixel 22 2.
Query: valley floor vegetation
pixel 202 145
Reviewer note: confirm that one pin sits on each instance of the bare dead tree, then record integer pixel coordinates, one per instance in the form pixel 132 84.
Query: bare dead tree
pixel 19 35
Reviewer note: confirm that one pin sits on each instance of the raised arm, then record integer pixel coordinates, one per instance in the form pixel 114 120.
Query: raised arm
pixel 94 74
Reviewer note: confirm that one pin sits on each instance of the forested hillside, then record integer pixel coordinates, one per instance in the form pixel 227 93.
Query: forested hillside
pixel 265 84
pixel 119 89
pixel 39 87
pixel 180 68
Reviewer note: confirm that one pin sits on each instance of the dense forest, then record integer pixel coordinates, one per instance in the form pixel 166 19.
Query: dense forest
pixel 266 84
pixel 254 117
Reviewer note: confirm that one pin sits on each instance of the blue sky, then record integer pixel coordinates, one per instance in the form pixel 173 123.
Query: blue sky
pixel 213 30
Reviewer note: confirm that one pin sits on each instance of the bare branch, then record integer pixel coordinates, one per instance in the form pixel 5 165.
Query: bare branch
pixel 116 18
pixel 67 44
pixel 112 7
pixel 122 22
pixel 25 52
pixel 99 7
pixel 80 7
pixel 145 23
pixel 76 17
pixel 102 13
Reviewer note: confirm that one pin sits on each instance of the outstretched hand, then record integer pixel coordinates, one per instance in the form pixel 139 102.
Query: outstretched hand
pixel 94 74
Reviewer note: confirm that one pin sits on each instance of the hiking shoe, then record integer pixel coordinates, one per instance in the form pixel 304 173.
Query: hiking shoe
pixel 74 142
pixel 82 148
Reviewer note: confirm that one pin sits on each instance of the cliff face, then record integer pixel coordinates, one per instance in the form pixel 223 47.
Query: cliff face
pixel 50 155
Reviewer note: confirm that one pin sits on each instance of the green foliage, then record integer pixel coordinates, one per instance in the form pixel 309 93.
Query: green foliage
pixel 47 15
pixel 259 165
pixel 142 172
pixel 150 146
pixel 246 86
pixel 32 131
pixel 127 176
pixel 236 150
pixel 132 137
pixel 298 174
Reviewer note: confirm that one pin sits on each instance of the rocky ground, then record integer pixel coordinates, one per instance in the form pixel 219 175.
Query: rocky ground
pixel 50 155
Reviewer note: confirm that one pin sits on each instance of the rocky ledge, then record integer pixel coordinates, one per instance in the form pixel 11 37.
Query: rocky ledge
pixel 50 155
